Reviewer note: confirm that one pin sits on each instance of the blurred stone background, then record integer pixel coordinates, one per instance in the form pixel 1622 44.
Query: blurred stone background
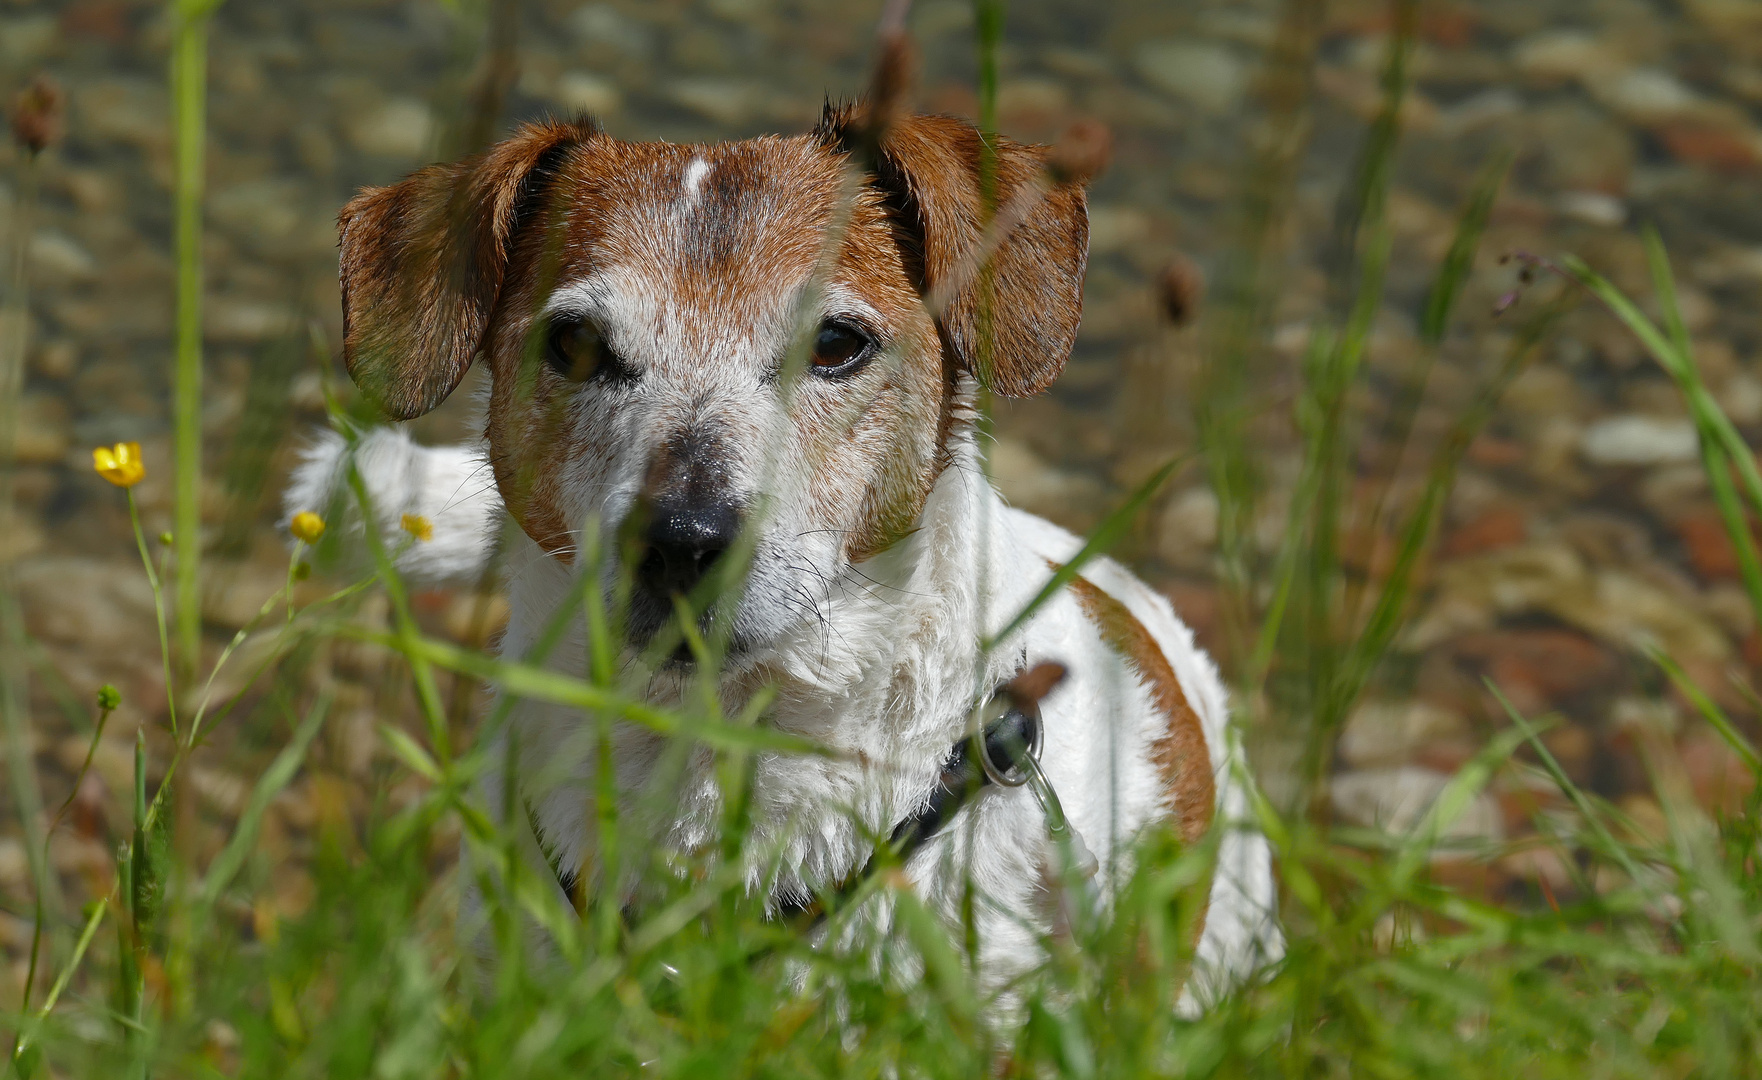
pixel 1581 523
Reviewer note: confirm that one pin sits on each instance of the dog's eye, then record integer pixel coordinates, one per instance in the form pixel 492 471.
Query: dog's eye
pixel 841 347
pixel 575 350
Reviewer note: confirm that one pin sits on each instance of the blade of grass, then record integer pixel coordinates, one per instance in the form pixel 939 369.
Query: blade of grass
pixel 1237 331
pixel 542 684
pixel 1384 621
pixel 1714 451
pixel 1469 781
pixel 189 89
pixel 1446 290
pixel 1703 408
pixel 280 772
pixel 1458 264
pixel 1610 845
pixel 1710 711
pixel 1361 249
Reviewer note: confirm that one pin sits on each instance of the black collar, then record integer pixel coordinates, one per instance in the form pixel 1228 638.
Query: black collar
pixel 997 754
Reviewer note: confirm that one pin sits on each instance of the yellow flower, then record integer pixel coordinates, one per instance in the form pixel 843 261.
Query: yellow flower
pixel 307 527
pixel 120 464
pixel 418 526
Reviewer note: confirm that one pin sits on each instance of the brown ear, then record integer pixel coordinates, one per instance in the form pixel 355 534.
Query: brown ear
pixel 929 166
pixel 422 265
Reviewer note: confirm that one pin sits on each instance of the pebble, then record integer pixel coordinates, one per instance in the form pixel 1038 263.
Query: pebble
pixel 1187 527
pixel 1034 104
pixel 126 109
pixel 726 101
pixel 60 257
pixel 1113 227
pixel 1485 109
pixel 234 592
pixel 1386 733
pixel 398 127
pixel 1397 799
pixel 1034 484
pixel 265 209
pixel 586 92
pixel 1561 55
pixel 98 605
pixel 1212 77
pixel 1639 440
pixel 15 862
pixel 1538 667
pixel 42 436
pixel 1494 528
pixel 1741 398
pixel 1718 777
pixel 236 320
pixel 1592 208
pixel 606 26
pixel 1645 95
pixel 1708 545
pixel 55 359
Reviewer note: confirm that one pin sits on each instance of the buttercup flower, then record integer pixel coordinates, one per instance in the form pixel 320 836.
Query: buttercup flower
pixel 307 527
pixel 120 464
pixel 418 526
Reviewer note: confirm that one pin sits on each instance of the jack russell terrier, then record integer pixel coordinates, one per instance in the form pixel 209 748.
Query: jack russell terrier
pixel 782 343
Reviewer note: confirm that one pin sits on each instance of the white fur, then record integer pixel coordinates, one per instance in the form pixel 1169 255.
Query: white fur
pixel 451 486
pixel 886 671
pixel 692 183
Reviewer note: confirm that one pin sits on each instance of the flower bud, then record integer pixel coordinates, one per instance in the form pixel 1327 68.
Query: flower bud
pixel 36 115
pixel 1081 153
pixel 1178 290
pixel 307 527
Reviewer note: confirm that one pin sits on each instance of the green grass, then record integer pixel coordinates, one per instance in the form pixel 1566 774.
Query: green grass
pixel 1648 966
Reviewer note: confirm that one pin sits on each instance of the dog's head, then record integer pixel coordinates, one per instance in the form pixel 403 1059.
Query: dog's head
pixel 688 340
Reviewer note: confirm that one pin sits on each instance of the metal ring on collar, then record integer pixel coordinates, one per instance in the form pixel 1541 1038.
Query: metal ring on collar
pixel 1012 773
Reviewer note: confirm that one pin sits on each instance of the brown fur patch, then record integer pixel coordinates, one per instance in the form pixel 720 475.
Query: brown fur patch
pixel 1012 326
pixel 423 262
pixel 1180 753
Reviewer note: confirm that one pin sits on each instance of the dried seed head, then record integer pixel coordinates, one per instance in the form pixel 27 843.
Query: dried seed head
pixel 1179 288
pixel 891 84
pixel 36 115
pixel 1030 686
pixel 1081 153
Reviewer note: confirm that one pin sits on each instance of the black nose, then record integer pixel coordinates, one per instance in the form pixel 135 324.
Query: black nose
pixel 684 542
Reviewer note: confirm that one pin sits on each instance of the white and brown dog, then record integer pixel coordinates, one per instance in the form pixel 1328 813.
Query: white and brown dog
pixel 639 305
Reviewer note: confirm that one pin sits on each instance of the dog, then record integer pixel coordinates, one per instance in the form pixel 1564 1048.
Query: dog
pixel 784 341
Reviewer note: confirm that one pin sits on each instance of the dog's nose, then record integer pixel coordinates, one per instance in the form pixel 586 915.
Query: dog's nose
pixel 684 542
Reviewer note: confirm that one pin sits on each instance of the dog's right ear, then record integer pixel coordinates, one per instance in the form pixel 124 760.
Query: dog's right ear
pixel 928 169
pixel 423 260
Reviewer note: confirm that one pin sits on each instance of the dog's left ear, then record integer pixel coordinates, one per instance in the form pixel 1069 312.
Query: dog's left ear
pixel 1029 303
pixel 422 265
